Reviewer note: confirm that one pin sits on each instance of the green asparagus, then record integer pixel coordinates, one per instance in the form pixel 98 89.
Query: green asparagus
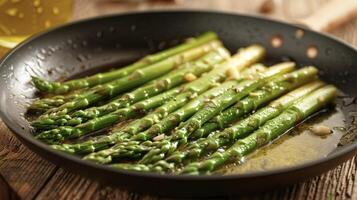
pixel 268 132
pixel 64 87
pixel 212 108
pixel 136 126
pixel 135 148
pixel 139 125
pixel 189 109
pixel 242 128
pixel 240 61
pixel 137 78
pixel 272 90
pixel 202 65
pixel 134 145
pixel 196 149
pixel 45 104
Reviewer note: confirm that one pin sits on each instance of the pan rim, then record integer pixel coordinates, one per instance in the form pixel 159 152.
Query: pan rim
pixel 29 138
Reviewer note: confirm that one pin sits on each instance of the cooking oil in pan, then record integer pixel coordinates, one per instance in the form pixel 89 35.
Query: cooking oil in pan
pixel 296 147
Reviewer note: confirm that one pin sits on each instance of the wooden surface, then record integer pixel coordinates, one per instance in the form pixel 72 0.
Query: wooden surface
pixel 31 177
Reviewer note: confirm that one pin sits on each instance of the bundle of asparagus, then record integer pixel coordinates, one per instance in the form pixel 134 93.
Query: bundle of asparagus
pixel 179 105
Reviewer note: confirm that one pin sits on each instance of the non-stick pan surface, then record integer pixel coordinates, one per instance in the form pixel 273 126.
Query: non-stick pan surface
pixel 119 39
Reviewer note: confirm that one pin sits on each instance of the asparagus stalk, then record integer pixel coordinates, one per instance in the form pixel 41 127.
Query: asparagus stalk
pixel 176 77
pixel 196 149
pixel 56 135
pixel 192 90
pixel 133 110
pixel 135 79
pixel 118 135
pixel 271 91
pixel 268 132
pixel 142 124
pixel 212 108
pixel 187 111
pixel 135 148
pixel 216 140
pixel 61 88
pixel 45 104
pixel 40 106
pixel 241 60
pixel 129 130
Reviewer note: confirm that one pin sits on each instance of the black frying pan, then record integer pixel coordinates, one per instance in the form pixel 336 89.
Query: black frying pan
pixel 117 40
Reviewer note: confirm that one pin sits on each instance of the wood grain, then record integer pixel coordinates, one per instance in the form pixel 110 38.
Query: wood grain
pixel 31 177
pixel 25 172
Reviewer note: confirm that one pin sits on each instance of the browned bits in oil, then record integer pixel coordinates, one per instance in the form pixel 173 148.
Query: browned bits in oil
pixel 321 130
pixel 159 137
pixel 276 41
pixel 312 52
pixel 190 77
pixel 299 34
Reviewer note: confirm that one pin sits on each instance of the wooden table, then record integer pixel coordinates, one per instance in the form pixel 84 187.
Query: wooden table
pixel 31 177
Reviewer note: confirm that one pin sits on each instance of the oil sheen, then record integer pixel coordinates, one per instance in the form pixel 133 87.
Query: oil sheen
pixel 294 148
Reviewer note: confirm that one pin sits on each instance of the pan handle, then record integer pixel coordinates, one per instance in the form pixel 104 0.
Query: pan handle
pixel 331 15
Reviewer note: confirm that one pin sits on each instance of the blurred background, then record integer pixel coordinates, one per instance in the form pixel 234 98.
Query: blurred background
pixel 20 19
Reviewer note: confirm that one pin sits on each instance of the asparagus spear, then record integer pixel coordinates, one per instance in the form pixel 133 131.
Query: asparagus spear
pixel 45 104
pixel 195 149
pixel 268 132
pixel 176 77
pixel 257 98
pixel 213 107
pixel 216 140
pixel 142 124
pixel 135 79
pixel 56 135
pixel 241 60
pixel 134 146
pixel 160 113
pixel 42 105
pixel 60 88
pixel 135 149
pixel 191 90
pixel 132 128
pixel 188 110
pixel 133 110
pixel 244 127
